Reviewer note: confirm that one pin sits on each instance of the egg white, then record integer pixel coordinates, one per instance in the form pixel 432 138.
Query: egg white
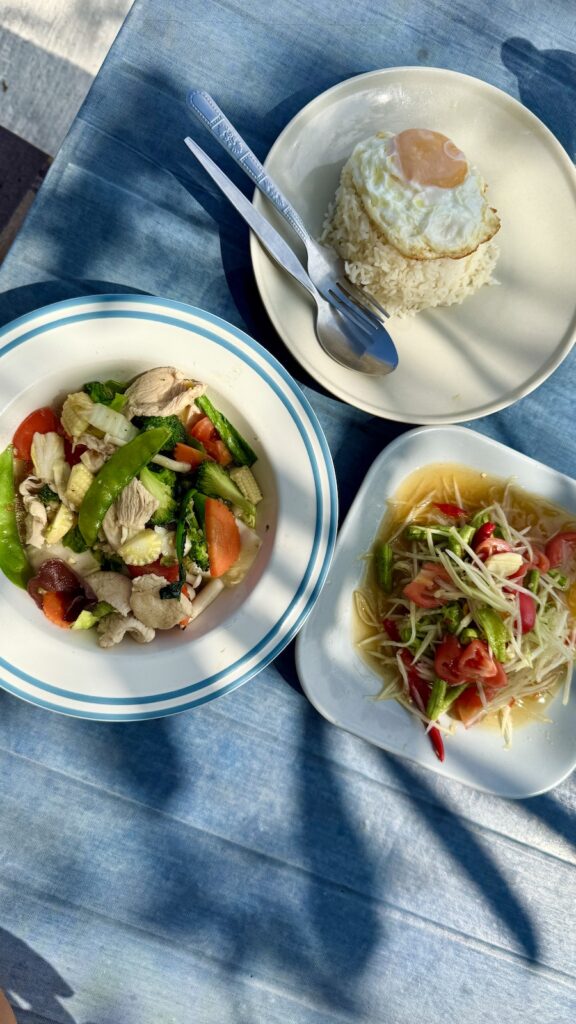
pixel 421 221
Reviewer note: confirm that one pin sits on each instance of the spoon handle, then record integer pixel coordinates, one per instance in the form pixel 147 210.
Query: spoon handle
pixel 209 113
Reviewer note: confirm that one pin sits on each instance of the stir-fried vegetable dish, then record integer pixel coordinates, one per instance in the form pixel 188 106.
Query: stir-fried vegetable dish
pixel 130 508
pixel 468 607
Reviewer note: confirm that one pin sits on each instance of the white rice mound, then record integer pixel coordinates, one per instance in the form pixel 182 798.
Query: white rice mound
pixel 403 286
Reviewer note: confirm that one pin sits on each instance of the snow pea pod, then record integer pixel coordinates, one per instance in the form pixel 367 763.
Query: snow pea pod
pixel 13 561
pixel 122 466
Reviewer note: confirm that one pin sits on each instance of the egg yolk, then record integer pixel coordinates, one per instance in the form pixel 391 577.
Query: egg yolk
pixel 430 158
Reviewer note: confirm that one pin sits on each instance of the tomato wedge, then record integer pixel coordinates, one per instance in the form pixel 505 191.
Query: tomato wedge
pixel 561 548
pixel 476 663
pixel 527 608
pixel 423 589
pixel 469 706
pixel 447 659
pixel 168 572
pixel 491 546
pixel 41 421
pixel 471 664
pixel 205 432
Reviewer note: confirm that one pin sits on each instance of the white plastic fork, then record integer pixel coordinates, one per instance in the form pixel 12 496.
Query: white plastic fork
pixel 325 268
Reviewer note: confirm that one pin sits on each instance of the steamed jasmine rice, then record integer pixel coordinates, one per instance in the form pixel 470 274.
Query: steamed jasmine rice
pixel 403 285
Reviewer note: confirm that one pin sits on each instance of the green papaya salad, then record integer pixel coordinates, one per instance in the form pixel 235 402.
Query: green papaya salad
pixel 468 607
pixel 130 508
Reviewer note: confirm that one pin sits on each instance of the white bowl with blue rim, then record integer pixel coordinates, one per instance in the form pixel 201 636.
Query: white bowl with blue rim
pixel 47 354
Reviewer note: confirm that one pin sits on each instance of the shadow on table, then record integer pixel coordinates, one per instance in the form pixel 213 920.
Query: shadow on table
pixel 471 856
pixel 547 85
pixel 17 302
pixel 32 986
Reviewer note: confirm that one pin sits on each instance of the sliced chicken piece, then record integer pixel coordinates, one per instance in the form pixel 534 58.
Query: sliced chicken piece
pixel 114 588
pixel 151 609
pixel 111 528
pixel 129 514
pixel 35 523
pixel 113 628
pixel 29 488
pixel 134 507
pixel 103 445
pixel 163 391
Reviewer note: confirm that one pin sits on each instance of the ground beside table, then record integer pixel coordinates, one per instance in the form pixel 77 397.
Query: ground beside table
pixel 248 862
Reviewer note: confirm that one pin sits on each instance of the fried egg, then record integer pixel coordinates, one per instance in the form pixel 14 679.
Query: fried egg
pixel 418 188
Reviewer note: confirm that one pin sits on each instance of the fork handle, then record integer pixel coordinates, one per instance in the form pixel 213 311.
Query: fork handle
pixel 209 113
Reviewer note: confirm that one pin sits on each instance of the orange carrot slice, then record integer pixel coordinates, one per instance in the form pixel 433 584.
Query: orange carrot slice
pixel 53 606
pixel 222 537
pixel 186 453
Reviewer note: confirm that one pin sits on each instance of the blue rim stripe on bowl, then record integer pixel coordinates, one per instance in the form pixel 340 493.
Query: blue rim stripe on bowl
pixel 294 390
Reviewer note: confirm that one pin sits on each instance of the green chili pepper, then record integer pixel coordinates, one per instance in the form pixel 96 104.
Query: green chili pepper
pixel 493 629
pixel 13 561
pixel 532 580
pixel 468 634
pixel 384 562
pixel 122 466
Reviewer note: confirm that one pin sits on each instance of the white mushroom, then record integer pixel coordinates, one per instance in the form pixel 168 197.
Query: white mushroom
pixel 113 628
pixel 163 391
pixel 151 609
pixel 114 588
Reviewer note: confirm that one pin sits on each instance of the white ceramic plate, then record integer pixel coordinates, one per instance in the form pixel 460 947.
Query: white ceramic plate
pixel 340 684
pixel 50 353
pixel 459 362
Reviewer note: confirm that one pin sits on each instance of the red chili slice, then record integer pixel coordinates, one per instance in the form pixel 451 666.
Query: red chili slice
pixel 452 511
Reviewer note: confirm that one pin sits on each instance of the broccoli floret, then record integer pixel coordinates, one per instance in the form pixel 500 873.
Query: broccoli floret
pixel 161 486
pixel 105 392
pixel 178 433
pixel 46 495
pixel 214 481
pixel 109 562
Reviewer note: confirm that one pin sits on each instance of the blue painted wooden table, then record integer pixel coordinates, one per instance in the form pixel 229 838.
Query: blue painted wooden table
pixel 247 862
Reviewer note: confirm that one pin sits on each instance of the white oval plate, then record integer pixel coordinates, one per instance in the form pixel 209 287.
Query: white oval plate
pixel 51 352
pixel 459 362
pixel 339 682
